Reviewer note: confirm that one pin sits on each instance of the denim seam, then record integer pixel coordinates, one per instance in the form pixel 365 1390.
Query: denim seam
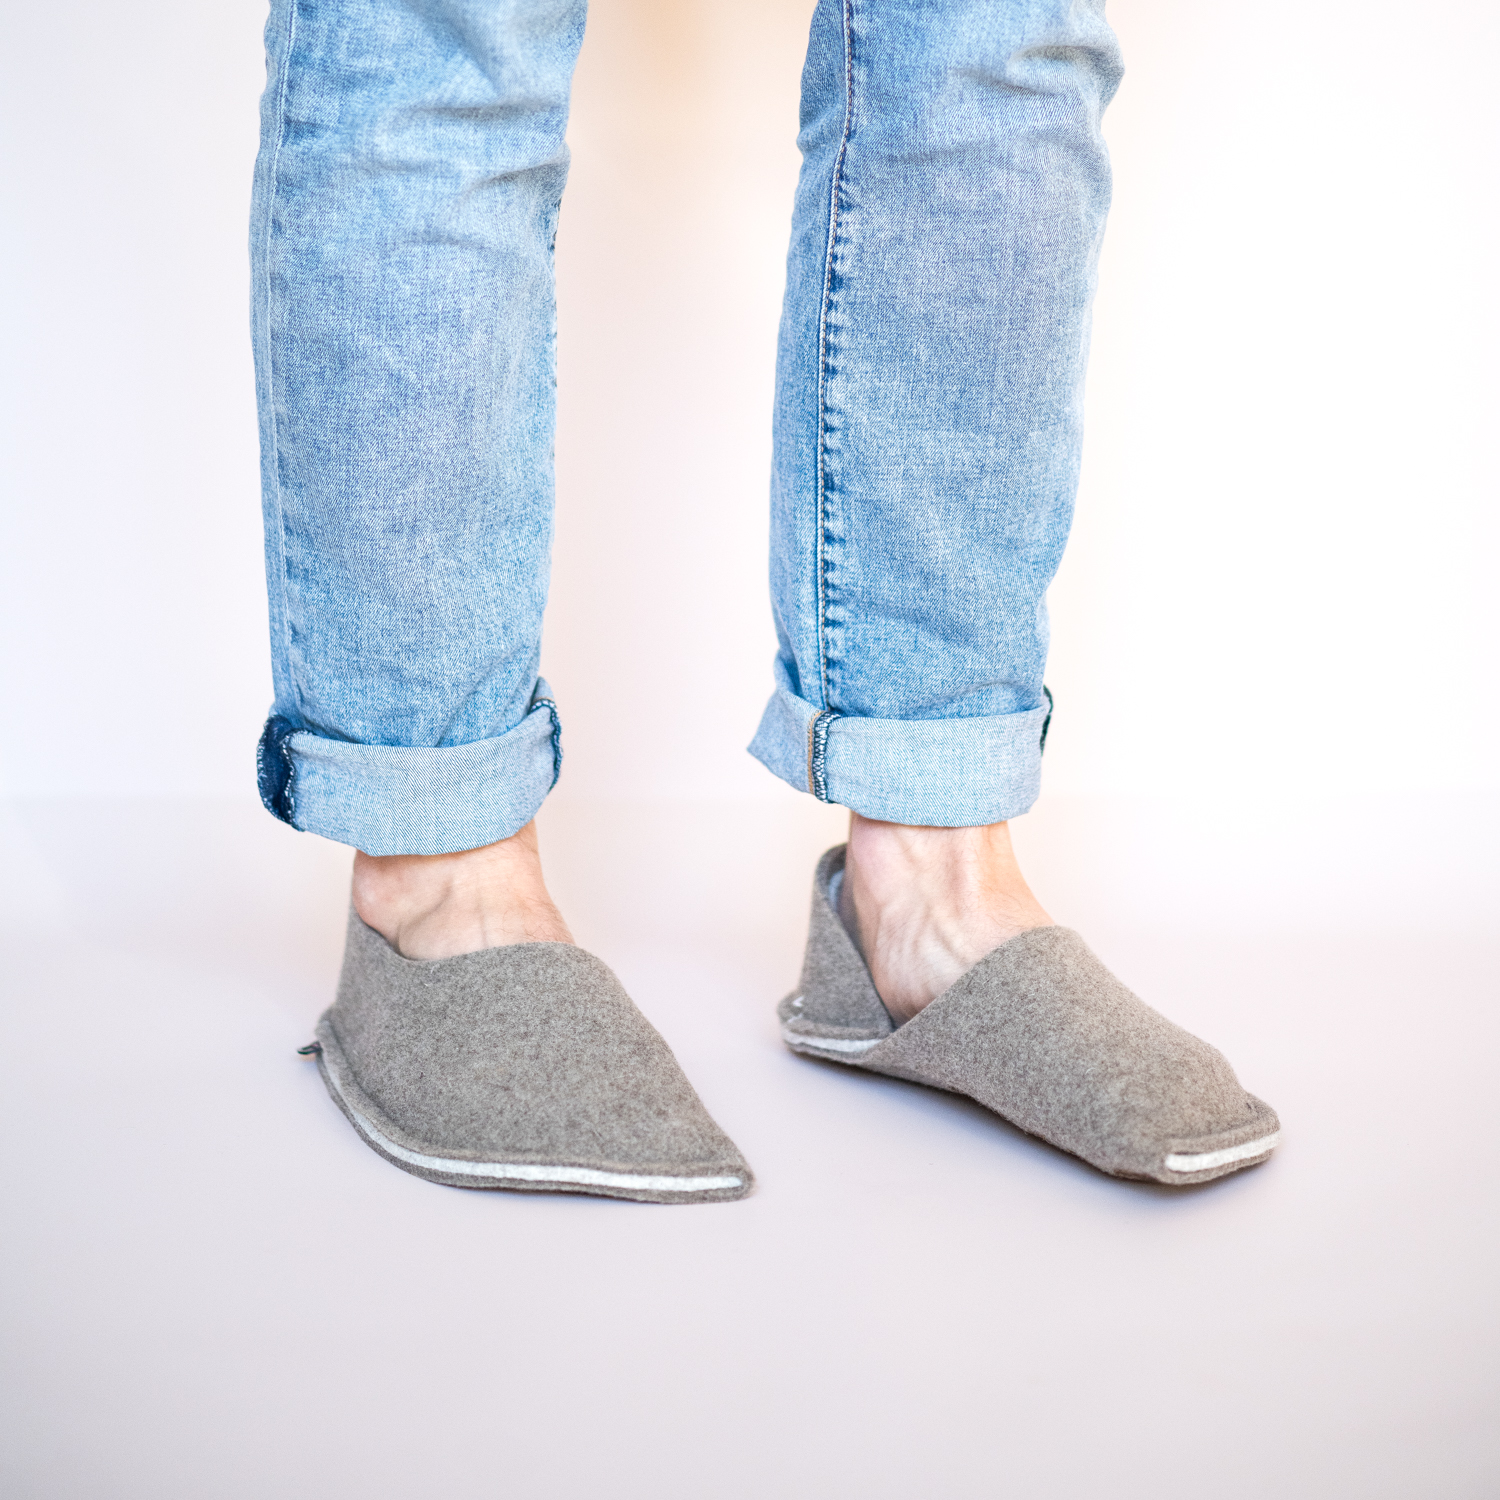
pixel 551 708
pixel 817 752
pixel 272 179
pixel 276 770
pixel 833 226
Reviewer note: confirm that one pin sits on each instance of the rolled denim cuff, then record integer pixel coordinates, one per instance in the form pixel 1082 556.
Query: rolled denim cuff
pixel 938 773
pixel 397 799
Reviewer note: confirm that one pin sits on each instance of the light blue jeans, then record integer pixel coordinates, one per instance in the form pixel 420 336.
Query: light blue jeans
pixel 929 395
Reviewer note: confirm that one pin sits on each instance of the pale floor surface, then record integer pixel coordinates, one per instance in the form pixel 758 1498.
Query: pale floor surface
pixel 213 1289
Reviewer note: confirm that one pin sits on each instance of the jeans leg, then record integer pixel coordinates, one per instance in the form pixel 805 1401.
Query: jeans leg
pixel 406 196
pixel 930 377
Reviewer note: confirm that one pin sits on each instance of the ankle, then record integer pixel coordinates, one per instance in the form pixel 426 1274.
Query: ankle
pixel 926 904
pixel 438 905
pixel 897 866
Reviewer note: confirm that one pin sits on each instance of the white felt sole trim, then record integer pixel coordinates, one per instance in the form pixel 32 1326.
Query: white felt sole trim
pixel 1206 1161
pixel 827 1043
pixel 527 1172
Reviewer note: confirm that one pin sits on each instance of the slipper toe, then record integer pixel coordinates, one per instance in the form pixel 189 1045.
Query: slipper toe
pixel 525 1067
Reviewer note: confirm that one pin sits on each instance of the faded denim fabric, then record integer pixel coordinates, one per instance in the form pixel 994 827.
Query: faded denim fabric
pixel 406 197
pixel 930 396
pixel 944 240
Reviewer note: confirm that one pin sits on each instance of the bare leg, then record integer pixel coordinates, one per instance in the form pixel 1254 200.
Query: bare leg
pixel 438 905
pixel 929 903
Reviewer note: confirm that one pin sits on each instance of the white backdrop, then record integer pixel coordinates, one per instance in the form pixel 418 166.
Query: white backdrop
pixel 1278 595
pixel 1271 805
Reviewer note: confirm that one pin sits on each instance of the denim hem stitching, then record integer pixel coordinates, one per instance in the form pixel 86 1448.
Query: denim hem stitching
pixel 817 752
pixel 276 771
pixel 833 227
pixel 557 754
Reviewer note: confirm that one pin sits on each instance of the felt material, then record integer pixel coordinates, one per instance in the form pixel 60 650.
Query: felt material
pixel 526 1066
pixel 847 1005
pixel 1042 1033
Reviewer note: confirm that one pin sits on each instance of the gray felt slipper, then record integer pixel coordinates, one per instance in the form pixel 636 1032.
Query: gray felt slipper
pixel 1043 1034
pixel 519 1067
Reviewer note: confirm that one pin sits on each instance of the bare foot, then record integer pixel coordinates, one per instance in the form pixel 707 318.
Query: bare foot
pixel 437 905
pixel 929 903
